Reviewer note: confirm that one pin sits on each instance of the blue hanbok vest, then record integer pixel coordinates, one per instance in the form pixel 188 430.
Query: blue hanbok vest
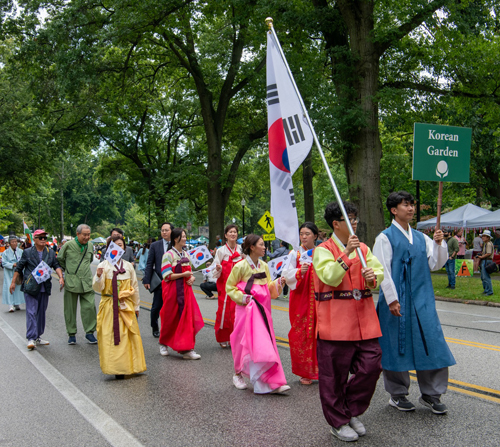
pixel 414 341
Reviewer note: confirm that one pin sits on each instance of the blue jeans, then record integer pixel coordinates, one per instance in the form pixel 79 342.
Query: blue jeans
pixel 450 270
pixel 486 278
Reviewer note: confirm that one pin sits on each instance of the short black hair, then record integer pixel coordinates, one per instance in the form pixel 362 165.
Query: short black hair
pixel 334 212
pixel 395 198
pixel 118 230
pixel 284 244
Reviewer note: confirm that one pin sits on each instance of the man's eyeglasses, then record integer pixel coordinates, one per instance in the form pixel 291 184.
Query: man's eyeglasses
pixel 353 220
pixel 42 238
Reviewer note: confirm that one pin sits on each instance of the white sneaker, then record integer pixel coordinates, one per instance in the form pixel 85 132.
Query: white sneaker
pixel 40 341
pixel 281 390
pixel 344 433
pixel 239 382
pixel 163 350
pixel 17 307
pixel 12 309
pixel 357 426
pixel 191 355
pixel 31 345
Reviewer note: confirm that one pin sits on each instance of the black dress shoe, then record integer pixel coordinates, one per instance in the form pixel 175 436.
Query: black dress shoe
pixel 156 334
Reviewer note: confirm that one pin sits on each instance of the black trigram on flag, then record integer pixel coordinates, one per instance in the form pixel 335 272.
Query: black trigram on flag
pixel 292 197
pixel 272 95
pixel 293 130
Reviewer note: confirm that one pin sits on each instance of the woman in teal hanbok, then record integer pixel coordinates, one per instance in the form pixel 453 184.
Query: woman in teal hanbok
pixel 9 262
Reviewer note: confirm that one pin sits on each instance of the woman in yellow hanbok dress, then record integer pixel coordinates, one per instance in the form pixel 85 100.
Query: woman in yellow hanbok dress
pixel 118 335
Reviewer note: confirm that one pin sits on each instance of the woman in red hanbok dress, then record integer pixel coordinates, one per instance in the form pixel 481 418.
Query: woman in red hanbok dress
pixel 253 342
pixel 180 315
pixel 302 307
pixel 224 260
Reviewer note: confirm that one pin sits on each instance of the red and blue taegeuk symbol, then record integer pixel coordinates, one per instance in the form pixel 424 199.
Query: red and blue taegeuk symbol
pixel 310 252
pixel 113 254
pixel 39 273
pixel 279 265
pixel 278 153
pixel 200 256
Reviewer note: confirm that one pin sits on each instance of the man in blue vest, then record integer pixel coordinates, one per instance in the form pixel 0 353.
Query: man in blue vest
pixel 412 338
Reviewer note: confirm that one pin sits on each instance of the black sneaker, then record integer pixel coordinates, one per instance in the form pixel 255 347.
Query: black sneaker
pixel 401 403
pixel 434 404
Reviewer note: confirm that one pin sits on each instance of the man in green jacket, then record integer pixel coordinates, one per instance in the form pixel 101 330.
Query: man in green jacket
pixel 452 254
pixel 75 258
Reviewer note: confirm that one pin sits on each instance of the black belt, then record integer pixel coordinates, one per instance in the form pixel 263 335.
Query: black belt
pixel 354 294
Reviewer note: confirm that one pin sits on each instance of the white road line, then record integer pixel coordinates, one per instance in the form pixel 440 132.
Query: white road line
pixel 464 313
pixel 111 430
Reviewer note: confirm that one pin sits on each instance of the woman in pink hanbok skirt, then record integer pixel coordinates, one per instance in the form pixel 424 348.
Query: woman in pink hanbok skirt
pixel 253 342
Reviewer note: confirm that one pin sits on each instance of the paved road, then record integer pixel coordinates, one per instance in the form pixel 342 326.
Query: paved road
pixel 57 395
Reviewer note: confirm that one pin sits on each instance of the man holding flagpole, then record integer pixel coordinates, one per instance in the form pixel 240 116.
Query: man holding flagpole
pixel 347 331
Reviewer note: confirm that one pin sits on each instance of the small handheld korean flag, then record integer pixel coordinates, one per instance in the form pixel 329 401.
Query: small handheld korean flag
pixel 199 256
pixel 42 272
pixel 276 266
pixel 307 257
pixel 208 269
pixel 114 253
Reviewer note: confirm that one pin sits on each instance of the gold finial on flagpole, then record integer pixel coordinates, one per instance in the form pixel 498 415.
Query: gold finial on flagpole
pixel 269 22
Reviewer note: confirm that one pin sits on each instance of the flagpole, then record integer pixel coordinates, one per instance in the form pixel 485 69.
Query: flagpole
pixel 269 22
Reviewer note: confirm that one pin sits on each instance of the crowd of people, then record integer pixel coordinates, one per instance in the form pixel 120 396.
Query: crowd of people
pixel 338 337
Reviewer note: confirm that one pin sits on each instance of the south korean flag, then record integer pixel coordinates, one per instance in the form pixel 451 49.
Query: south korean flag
pixel 278 265
pixel 199 256
pixel 306 257
pixel 114 253
pixel 42 272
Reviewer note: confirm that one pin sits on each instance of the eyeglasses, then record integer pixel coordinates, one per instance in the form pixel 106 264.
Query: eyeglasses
pixel 42 238
pixel 353 220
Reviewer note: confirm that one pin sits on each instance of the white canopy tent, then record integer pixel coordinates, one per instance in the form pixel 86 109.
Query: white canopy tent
pixel 485 221
pixel 458 218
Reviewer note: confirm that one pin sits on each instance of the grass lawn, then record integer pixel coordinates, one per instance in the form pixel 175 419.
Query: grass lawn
pixel 465 288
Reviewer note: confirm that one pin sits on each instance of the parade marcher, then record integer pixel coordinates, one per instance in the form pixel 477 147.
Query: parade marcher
pixel 180 315
pixel 486 254
pixel 225 259
pixel 143 256
pixel 120 344
pixel 153 267
pixel 75 258
pixel 453 248
pixel 253 342
pixel 209 284
pixel 412 337
pixel 302 307
pixel 129 251
pixel 36 294
pixel 10 258
pixel 347 330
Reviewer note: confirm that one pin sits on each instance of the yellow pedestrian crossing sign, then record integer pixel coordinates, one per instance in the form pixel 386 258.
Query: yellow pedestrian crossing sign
pixel 266 222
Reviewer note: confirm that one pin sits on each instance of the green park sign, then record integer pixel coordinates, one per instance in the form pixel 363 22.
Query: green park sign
pixel 441 153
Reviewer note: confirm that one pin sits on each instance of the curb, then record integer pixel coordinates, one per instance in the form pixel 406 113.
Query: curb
pixel 476 303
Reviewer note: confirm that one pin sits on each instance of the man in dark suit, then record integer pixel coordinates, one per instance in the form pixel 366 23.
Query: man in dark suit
pixel 155 256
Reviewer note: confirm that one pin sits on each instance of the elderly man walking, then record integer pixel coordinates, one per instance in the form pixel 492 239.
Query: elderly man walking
pixel 75 258
pixel 36 291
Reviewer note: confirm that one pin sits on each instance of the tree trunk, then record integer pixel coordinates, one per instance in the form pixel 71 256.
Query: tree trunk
pixel 364 149
pixel 307 181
